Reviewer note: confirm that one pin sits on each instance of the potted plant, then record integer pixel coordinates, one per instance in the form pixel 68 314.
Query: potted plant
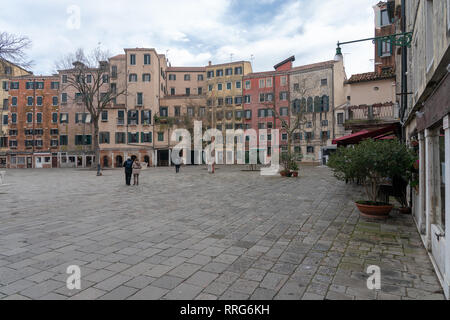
pixel 294 169
pixel 371 162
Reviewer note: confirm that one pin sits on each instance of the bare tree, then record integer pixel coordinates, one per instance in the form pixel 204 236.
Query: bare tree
pixel 89 76
pixel 13 47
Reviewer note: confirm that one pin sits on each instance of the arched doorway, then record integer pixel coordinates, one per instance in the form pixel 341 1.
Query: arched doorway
pixel 105 162
pixel 119 162
pixel 147 160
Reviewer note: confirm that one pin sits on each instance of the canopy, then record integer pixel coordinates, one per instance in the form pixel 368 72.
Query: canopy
pixel 377 134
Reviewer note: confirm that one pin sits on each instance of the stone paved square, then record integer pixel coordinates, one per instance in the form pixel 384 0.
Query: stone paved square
pixel 232 235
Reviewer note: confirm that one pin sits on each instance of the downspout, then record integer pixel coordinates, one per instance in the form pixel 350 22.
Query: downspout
pixel 404 86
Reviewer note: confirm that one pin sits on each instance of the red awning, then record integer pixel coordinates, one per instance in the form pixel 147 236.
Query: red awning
pixel 357 137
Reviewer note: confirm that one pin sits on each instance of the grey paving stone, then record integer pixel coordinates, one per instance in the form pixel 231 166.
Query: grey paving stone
pixel 184 270
pixel 41 289
pixel 88 294
pixel 263 294
pixel 184 291
pixel 140 282
pixel 149 293
pixel 273 281
pixel 113 282
pixel 202 279
pixel 119 293
pixel 167 282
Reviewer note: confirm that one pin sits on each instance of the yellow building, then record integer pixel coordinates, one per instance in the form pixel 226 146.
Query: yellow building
pixel 7 71
pixel 224 92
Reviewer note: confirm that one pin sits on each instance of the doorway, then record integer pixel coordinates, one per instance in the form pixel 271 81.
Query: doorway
pixel 119 162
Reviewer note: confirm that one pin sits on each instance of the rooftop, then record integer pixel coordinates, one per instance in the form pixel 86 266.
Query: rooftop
pixel 370 76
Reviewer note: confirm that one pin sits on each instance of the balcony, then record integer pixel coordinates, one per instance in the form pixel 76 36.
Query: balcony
pixel 370 116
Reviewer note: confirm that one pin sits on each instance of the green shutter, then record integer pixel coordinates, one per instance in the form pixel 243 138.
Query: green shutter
pixel 380 48
pixel 142 137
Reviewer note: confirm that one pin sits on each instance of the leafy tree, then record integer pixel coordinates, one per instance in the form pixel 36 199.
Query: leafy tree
pixel 371 162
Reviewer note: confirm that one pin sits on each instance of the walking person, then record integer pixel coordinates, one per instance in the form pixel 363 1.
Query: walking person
pixel 136 171
pixel 177 162
pixel 128 165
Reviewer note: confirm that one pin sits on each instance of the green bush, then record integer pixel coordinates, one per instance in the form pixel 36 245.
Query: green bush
pixel 370 162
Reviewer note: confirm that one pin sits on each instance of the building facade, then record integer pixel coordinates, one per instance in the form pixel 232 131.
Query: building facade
pixel 7 71
pixel 267 101
pixel 33 122
pixel 317 89
pixel 426 123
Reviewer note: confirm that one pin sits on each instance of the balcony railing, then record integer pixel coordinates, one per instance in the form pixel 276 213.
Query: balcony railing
pixel 371 114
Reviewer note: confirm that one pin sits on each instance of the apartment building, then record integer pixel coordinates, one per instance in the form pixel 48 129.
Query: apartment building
pixel 127 128
pixel 7 71
pixel 33 122
pixel 425 80
pixel 265 93
pixel 317 89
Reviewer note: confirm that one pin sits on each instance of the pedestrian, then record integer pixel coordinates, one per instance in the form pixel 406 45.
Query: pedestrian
pixel 177 162
pixel 136 171
pixel 128 165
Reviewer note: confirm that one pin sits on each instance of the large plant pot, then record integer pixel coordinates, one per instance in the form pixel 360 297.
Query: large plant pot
pixel 295 174
pixel 405 210
pixel 379 211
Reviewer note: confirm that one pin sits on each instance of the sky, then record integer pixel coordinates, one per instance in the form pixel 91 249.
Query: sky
pixel 192 33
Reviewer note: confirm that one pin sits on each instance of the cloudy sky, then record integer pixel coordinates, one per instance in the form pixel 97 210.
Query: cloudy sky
pixel 195 32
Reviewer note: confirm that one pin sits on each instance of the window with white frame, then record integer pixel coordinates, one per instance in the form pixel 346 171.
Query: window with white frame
pixel 269 82
pixel 262 83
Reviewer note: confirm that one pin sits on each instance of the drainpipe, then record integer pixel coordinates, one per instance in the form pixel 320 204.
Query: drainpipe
pixel 404 86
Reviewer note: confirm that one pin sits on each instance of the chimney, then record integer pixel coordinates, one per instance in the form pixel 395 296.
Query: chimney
pixel 209 63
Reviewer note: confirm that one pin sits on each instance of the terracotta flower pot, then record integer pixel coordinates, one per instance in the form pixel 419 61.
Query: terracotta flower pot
pixel 283 173
pixel 379 211
pixel 295 174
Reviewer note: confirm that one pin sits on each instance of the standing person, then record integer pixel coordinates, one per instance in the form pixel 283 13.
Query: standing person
pixel 177 162
pixel 136 171
pixel 128 165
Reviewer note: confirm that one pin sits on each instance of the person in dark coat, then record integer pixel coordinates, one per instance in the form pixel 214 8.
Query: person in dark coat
pixel 128 165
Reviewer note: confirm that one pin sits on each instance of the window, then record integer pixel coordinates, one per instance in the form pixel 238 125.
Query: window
pixel 13 117
pixel 104 117
pixel 15 85
pixel 105 78
pixel 103 137
pixel 200 90
pixel 238 70
pixel 146 59
pixel 54 101
pixel 238 115
pixel 283 96
pixel 114 72
pixel 384 49
pixel 120 137
pixel 219 86
pixel 324 82
pixel 39 85
pixel 269 82
pixel 262 97
pixel 13 144
pixel 187 77
pixel 146 137
pixel 262 83
pixel 133 117
pixel 190 111
pixel 248 84
pixel 429 34
pixel 38 132
pixel 284 112
pixel 340 118
pixel 325 135
pixel 29 117
pixel 132 77
pixel 238 100
pixel 284 137
pixel 210 87
pixel 202 111
pixel 53 143
pixel 54 85
pixel 310 149
pixel 120 117
pixel 160 136
pixel 220 101
pixel 283 80
pixel 262 113
pixel 269 97
pixel 247 99
pixel 146 117
pixel 238 85
pixel 219 73
pixel 39 117
pixel 200 77
pixel 132 59
pixel 29 101
pixel 229 85
pixel 13 132
pixel 172 77
pixel 64 118
pixel 5 104
pixel 146 77
pixel 296 87
pixel 28 143
pixel 88 140
pixel 139 99
pixel 229 71
pixel 248 114
pixel 385 18
pixel 229 100
pixel 5 119
pixel 163 112
pixel 188 91
pixel 54 132
pixel 29 132
pixel 261 125
pixel 29 85
pixel 210 74
pixel 39 101
pixel 64 97
pixel 89 78
pixel 79 140
pixel 324 123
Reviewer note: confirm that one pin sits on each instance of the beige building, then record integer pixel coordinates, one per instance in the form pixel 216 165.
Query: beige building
pixel 318 89
pixel 127 129
pixel 426 123
pixel 7 71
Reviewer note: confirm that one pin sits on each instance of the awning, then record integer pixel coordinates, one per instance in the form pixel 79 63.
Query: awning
pixel 377 134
